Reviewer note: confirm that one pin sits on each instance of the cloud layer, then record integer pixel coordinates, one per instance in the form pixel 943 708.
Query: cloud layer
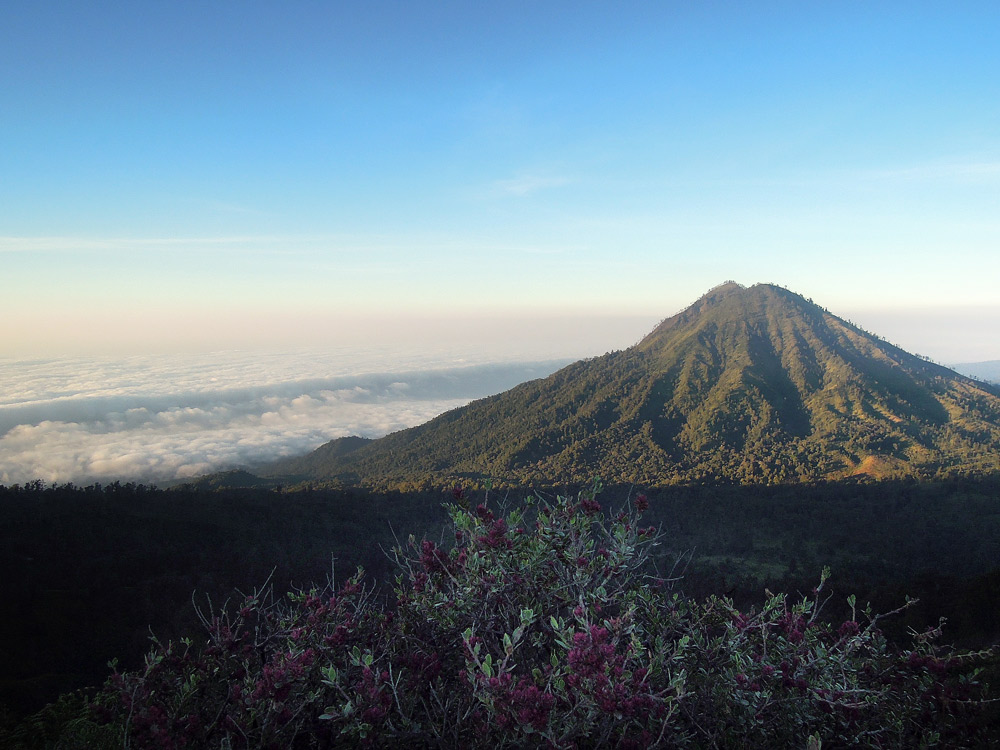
pixel 165 418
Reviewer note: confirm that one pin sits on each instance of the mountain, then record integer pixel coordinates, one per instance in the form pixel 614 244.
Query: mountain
pixel 747 385
pixel 989 371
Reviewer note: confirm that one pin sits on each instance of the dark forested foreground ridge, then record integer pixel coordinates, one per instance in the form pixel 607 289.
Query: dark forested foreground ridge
pixel 90 569
pixel 748 385
pixel 548 626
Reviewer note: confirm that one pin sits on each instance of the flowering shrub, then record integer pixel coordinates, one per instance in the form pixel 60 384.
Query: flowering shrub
pixel 545 626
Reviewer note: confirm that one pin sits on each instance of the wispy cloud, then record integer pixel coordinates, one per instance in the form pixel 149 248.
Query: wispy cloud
pixel 360 251
pixel 228 207
pixel 528 184
pixel 14 244
pixel 948 169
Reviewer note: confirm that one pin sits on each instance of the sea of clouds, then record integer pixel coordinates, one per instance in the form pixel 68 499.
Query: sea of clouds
pixel 158 418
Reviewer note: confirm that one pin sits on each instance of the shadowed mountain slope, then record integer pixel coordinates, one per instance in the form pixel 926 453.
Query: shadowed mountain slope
pixel 752 385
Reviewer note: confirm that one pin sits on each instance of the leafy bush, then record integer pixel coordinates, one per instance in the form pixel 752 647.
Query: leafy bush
pixel 546 626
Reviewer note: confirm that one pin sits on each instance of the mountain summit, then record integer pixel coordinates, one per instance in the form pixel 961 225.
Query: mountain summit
pixel 749 384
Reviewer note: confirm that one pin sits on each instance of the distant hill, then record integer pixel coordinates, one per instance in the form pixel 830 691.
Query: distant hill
pixel 747 385
pixel 989 371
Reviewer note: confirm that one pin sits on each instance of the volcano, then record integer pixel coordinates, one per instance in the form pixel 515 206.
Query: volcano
pixel 747 385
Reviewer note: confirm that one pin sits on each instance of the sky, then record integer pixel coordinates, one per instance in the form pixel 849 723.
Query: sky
pixel 198 176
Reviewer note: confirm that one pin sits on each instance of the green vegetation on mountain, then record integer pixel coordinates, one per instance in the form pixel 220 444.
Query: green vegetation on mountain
pixel 748 385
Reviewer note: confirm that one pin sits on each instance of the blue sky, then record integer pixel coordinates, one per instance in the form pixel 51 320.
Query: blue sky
pixel 194 174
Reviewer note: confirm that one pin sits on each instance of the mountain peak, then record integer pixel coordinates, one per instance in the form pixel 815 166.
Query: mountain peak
pixel 730 302
pixel 726 287
pixel 747 384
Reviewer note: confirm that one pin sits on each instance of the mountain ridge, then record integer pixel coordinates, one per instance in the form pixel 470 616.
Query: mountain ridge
pixel 746 385
pixel 988 370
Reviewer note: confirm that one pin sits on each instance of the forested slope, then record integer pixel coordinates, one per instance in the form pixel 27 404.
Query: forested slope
pixel 748 385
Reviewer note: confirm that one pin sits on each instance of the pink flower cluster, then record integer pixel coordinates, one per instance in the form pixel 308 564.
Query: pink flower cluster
pixel 598 671
pixel 518 703
pixel 496 536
